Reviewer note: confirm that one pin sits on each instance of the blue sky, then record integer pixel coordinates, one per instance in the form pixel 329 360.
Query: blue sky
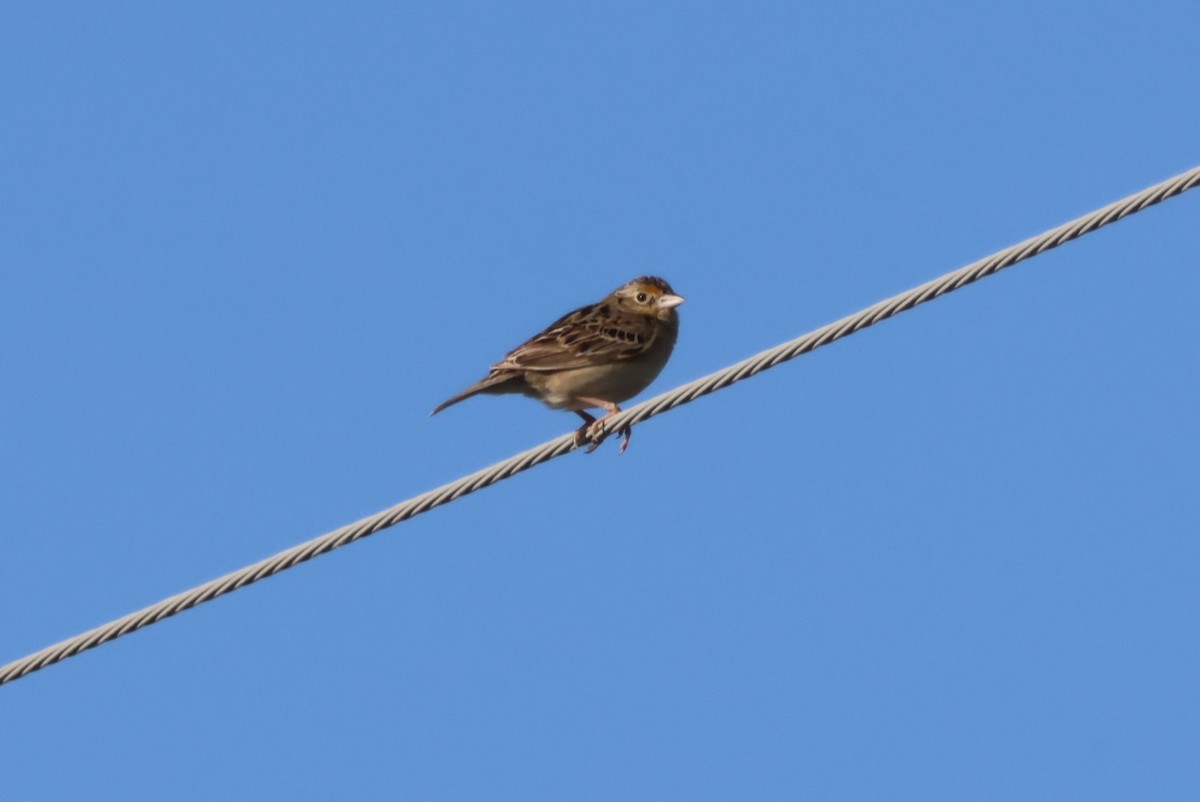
pixel 247 247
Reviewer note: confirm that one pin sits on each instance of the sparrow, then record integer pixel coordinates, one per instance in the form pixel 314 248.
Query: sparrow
pixel 592 358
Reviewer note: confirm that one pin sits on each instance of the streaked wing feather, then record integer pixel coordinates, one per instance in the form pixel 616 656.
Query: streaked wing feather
pixel 588 336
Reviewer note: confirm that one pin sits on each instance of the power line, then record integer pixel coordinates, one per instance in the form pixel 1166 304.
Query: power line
pixel 561 445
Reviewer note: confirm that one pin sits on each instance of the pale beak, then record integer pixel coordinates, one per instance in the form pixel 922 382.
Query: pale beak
pixel 669 301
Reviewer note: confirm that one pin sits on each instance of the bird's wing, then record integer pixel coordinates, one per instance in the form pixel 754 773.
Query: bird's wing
pixel 591 335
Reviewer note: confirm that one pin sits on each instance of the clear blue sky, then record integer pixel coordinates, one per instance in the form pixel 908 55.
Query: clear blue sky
pixel 247 247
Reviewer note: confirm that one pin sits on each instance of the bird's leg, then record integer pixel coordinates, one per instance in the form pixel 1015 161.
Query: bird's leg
pixel 595 429
pixel 581 434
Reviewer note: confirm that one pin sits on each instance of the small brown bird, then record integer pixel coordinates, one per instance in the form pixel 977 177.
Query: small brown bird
pixel 595 357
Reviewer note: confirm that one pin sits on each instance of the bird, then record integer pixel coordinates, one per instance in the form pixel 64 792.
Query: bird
pixel 592 358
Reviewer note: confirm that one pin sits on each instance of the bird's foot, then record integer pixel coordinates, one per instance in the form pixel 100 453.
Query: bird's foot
pixel 592 430
pixel 581 436
pixel 595 434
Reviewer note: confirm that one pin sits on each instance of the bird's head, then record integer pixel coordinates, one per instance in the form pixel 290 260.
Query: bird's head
pixel 650 296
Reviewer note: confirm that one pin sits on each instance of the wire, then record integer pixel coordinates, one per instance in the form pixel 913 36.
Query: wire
pixel 561 445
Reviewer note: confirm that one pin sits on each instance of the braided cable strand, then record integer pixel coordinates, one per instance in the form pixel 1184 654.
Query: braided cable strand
pixel 562 445
pixel 906 300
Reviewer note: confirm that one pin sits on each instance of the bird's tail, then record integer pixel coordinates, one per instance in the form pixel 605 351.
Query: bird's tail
pixel 484 385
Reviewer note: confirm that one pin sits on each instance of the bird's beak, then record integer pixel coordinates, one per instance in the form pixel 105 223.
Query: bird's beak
pixel 670 301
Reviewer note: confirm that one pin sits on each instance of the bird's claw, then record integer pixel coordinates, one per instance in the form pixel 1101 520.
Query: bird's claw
pixel 581 436
pixel 593 433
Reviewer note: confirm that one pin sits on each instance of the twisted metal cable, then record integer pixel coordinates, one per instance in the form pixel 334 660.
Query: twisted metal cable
pixel 561 445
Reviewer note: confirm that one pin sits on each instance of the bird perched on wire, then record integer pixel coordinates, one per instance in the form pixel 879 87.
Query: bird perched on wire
pixel 593 358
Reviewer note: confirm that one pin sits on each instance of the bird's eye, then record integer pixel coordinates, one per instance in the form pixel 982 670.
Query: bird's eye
pixel 641 297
